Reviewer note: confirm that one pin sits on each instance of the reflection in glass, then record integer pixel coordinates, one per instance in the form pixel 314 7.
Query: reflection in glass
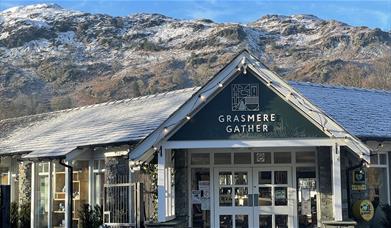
pixel 225 197
pixel 241 196
pixel 222 158
pixel 241 221
pixel 282 157
pixel 242 158
pixel 262 158
pixel 200 158
pixel 226 221
pixel 281 221
pixel 265 196
pixel 280 177
pixel 280 196
pixel 225 178
pixel 265 177
pixel 305 157
pixel 240 178
pixel 265 221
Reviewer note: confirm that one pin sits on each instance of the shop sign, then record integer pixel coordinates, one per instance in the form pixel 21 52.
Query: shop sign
pixel 359 183
pixel 247 109
pixel 364 210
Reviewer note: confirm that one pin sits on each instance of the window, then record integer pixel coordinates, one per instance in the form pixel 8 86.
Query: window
pixel 222 158
pixel 282 157
pixel 262 158
pixel 99 180
pixel 305 157
pixel 242 158
pixel 200 159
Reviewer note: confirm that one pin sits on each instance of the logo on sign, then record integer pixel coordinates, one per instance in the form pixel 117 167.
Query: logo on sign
pixel 245 97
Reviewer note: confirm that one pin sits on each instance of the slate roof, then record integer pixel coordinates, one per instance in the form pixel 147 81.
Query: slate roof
pixel 364 113
pixel 58 133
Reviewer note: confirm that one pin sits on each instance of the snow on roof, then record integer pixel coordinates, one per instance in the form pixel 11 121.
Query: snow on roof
pixel 58 133
pixel 364 113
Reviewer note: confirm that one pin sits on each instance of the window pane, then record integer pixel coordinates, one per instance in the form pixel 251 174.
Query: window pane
pixel 240 178
pixel 99 183
pixel 377 185
pixel 282 157
pixel 265 196
pixel 242 158
pixel 262 158
pixel 280 177
pixel 305 157
pixel 281 221
pixel 200 159
pixel 241 196
pixel 226 221
pixel 374 159
pixel 383 159
pixel 265 177
pixel 222 158
pixel 225 178
pixel 241 221
pixel 280 196
pixel 265 221
pixel 225 197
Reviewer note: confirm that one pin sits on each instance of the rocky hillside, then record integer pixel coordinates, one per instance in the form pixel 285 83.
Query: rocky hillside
pixel 53 58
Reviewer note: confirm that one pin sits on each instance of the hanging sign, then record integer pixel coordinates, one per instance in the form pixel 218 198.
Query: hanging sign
pixel 363 209
pixel 358 182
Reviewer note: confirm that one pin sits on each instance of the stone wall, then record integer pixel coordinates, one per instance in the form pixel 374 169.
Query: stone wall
pixel 24 182
pixel 325 183
pixel 181 184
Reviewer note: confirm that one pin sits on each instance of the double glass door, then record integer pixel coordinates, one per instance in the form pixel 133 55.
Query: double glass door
pixel 253 197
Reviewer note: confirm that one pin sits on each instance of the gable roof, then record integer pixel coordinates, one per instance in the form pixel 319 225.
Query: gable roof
pixel 58 133
pixel 244 62
pixel 364 113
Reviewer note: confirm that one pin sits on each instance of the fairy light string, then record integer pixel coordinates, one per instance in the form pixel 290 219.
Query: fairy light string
pixel 242 67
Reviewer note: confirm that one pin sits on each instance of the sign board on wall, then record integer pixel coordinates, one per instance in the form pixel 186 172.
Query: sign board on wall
pixel 247 109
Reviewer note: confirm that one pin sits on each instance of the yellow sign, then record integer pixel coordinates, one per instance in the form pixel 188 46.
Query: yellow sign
pixel 359 187
pixel 364 210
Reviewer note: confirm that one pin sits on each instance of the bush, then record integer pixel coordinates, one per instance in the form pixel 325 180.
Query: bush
pixel 91 217
pixel 20 218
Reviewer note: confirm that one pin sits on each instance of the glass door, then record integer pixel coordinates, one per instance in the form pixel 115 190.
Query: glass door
pixel 273 204
pixel 233 197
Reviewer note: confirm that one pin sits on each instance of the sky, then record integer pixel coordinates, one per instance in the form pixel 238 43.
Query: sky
pixel 370 13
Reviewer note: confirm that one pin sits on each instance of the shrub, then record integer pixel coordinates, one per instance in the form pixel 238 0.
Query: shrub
pixel 91 217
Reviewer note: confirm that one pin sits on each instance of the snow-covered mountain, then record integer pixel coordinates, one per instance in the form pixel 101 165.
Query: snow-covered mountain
pixel 52 58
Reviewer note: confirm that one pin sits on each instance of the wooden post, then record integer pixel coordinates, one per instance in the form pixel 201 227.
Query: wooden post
pixel 140 204
pixel 162 185
pixel 336 175
pixel 33 193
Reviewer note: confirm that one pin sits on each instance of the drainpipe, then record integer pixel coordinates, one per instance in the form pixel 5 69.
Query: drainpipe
pixel 347 184
pixel 69 193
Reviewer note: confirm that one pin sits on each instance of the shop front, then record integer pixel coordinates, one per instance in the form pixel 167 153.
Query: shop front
pixel 247 149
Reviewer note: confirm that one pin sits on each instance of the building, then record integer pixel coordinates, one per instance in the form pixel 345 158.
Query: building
pixel 247 149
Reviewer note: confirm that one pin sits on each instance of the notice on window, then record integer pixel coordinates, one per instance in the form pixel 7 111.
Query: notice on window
pixel 204 187
pixel 305 201
pixel 196 197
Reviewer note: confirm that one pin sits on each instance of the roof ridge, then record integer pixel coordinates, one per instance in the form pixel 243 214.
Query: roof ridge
pixel 327 85
pixel 126 100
